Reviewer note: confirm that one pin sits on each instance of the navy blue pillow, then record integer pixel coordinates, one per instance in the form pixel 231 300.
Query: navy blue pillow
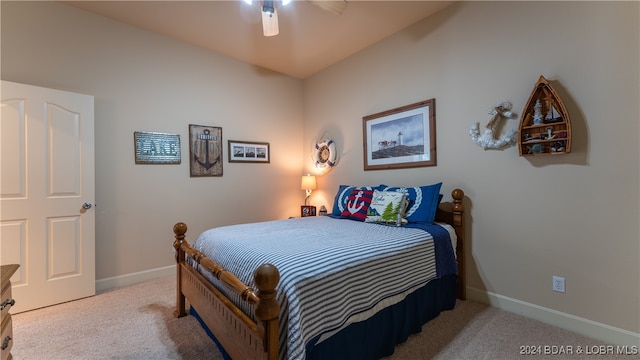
pixel 423 201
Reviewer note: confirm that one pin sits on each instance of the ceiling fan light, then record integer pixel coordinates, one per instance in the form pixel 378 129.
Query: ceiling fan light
pixel 270 23
pixel 286 2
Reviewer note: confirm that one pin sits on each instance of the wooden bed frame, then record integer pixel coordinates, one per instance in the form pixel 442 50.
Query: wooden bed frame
pixel 241 337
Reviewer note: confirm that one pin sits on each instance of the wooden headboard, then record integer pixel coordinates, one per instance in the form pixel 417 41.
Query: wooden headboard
pixel 453 213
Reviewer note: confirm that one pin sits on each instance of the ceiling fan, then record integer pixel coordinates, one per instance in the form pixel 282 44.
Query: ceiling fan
pixel 270 15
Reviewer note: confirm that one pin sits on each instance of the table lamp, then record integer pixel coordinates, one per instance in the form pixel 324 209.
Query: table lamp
pixel 308 184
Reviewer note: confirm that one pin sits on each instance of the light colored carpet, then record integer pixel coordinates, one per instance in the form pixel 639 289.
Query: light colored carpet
pixel 137 322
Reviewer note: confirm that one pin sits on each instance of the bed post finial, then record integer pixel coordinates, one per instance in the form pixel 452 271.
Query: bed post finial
pixel 179 229
pixel 267 310
pixel 457 196
pixel 266 279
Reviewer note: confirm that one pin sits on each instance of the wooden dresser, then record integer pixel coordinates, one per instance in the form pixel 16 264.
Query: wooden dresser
pixel 6 302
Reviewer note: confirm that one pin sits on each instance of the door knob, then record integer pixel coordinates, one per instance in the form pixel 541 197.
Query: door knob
pixel 87 205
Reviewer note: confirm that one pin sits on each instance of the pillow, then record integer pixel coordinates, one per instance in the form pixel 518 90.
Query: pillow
pixel 423 201
pixel 357 204
pixel 340 199
pixel 385 207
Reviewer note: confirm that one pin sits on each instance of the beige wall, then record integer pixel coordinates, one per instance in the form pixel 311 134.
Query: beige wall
pixel 146 82
pixel 574 215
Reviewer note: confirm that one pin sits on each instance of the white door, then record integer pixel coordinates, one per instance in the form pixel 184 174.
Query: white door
pixel 47 220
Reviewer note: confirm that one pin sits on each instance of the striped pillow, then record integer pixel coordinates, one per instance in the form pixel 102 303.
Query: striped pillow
pixel 340 201
pixel 357 204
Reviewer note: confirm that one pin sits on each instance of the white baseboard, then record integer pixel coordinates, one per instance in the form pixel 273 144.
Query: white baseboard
pixel 595 330
pixel 134 278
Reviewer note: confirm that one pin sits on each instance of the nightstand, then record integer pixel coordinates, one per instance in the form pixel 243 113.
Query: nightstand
pixel 7 301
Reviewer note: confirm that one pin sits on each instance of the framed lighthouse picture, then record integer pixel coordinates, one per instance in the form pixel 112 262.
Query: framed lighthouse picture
pixel 205 150
pixel 403 137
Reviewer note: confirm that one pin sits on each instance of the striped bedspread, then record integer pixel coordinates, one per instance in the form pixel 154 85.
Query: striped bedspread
pixel 331 270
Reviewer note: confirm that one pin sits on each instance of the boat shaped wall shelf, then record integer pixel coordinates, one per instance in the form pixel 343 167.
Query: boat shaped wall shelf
pixel 545 128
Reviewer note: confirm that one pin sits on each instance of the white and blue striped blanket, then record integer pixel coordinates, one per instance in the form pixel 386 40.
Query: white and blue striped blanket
pixel 332 271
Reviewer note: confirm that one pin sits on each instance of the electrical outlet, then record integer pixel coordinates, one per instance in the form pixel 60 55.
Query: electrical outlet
pixel 558 284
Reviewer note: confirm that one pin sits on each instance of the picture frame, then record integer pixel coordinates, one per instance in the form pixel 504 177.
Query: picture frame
pixel 205 150
pixel 156 148
pixel 404 137
pixel 248 152
pixel 307 210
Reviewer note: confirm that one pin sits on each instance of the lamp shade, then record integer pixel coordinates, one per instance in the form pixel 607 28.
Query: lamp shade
pixel 308 182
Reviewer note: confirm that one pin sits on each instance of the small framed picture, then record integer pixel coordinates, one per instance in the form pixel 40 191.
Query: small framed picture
pixel 306 210
pixel 248 152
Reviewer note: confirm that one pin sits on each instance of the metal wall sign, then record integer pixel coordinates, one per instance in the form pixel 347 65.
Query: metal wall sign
pixel 156 148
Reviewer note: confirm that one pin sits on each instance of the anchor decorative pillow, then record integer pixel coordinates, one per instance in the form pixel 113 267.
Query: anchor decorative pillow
pixel 340 201
pixel 357 204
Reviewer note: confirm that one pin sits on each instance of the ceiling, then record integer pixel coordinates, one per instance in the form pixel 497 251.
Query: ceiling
pixel 310 38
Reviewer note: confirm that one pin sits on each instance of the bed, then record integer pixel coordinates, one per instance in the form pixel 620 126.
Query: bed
pixel 260 308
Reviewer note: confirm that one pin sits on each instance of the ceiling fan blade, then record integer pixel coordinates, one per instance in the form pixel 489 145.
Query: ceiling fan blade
pixel 333 6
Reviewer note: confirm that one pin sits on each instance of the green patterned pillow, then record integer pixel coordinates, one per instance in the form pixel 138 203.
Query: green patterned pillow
pixel 385 207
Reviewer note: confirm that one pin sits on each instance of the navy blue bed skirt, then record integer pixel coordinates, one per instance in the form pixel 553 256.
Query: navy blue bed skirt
pixel 378 336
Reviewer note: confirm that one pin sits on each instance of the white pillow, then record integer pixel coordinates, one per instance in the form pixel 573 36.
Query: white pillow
pixel 385 207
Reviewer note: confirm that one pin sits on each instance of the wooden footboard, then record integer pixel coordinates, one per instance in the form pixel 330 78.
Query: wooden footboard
pixel 241 337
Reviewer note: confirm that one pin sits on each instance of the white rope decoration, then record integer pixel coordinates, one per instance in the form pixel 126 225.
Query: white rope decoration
pixel 488 139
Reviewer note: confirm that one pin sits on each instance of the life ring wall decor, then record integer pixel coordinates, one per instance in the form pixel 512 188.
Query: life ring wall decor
pixel 488 140
pixel 324 154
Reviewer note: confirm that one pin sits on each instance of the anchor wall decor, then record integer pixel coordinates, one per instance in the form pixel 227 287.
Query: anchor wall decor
pixel 488 140
pixel 205 150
